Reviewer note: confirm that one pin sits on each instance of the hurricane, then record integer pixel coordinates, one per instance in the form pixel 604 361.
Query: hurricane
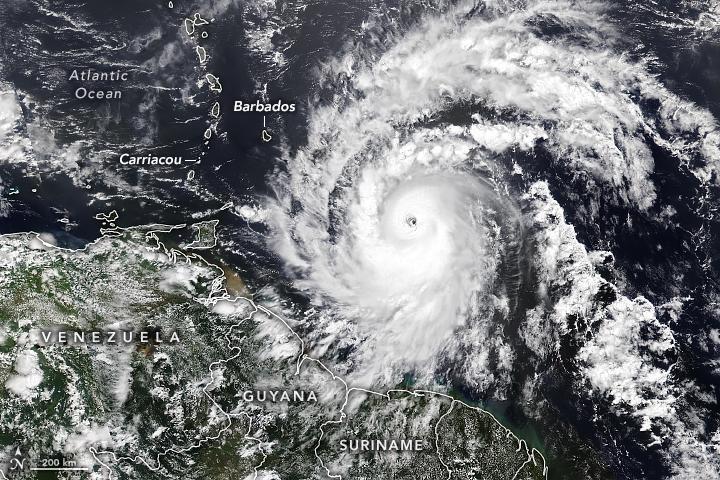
pixel 425 219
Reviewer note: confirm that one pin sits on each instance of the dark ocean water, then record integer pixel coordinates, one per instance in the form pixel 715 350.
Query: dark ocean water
pixel 42 42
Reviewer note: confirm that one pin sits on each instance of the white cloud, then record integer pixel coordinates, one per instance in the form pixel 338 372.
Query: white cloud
pixel 97 436
pixel 28 375
pixel 619 361
pixel 626 357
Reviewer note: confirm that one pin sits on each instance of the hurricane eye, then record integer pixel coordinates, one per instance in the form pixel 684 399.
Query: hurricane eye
pixel 411 221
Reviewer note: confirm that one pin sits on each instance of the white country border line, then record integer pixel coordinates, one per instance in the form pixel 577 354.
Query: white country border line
pixel 220 433
pixel 173 255
pixel 302 357
pixel 437 440
pixel 218 287
pixel 508 432
pixel 343 415
pixel 202 441
pixel 198 229
pixel 111 233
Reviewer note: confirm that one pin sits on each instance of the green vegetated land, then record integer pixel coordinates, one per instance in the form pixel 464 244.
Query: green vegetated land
pixel 211 404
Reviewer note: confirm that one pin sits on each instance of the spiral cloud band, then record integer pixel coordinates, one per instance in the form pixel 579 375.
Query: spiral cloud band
pixel 418 211
pixel 392 226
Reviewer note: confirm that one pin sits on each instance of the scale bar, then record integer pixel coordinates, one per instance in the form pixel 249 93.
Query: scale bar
pixel 85 469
